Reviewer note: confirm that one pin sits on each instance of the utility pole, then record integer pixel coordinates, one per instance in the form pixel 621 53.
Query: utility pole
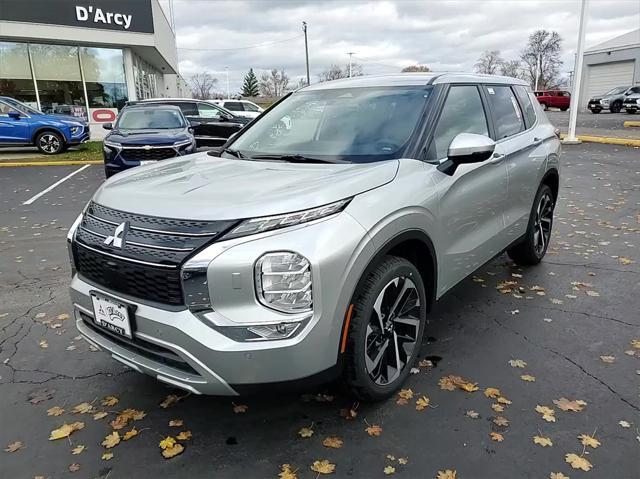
pixel 577 78
pixel 306 50
pixel 227 72
pixel 350 55
pixel 538 68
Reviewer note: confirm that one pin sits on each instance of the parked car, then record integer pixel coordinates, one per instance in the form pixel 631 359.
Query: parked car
pixel 22 125
pixel 554 99
pixel 215 124
pixel 146 133
pixel 245 108
pixel 318 252
pixel 612 100
pixel 631 104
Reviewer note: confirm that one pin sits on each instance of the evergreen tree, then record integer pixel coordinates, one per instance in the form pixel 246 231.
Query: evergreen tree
pixel 250 85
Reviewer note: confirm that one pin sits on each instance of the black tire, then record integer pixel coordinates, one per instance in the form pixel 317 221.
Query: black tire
pixel 630 112
pixel 544 106
pixel 530 251
pixel 616 106
pixel 369 332
pixel 50 142
pixel 596 111
pixel 564 109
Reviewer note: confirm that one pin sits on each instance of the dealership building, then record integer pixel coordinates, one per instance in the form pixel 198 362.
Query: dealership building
pixel 611 64
pixel 86 58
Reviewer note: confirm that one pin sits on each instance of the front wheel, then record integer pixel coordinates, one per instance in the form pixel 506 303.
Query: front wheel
pixel 534 245
pixel 616 106
pixel 630 112
pixel 596 111
pixel 386 328
pixel 50 143
pixel 544 106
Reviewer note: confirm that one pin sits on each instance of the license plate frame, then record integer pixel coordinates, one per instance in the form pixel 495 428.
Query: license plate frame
pixel 112 315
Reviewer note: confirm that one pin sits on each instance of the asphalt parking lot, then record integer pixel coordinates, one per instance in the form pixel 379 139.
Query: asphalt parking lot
pixel 572 322
pixel 602 124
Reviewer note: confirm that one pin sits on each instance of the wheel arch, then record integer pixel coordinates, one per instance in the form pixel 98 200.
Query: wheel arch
pixel 44 129
pixel 552 179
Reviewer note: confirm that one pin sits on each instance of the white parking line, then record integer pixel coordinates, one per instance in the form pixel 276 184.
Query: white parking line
pixel 60 181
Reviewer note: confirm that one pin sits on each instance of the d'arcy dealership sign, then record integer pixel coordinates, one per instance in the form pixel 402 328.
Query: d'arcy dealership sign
pixel 123 15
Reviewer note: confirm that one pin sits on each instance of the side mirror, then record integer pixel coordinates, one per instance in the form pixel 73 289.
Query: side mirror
pixel 107 126
pixel 467 148
pixel 194 124
pixel 14 114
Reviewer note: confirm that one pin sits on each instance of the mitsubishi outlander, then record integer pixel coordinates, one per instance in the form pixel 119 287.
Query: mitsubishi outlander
pixel 315 244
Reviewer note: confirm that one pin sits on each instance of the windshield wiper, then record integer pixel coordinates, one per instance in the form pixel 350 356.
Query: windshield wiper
pixel 231 152
pixel 290 158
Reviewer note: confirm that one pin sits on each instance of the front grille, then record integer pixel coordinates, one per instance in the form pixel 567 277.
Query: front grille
pixel 147 265
pixel 594 102
pixel 153 154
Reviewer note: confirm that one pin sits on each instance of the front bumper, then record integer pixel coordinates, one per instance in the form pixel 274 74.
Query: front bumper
pixel 184 349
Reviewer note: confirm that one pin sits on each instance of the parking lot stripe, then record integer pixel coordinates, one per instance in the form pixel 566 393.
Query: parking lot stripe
pixel 60 181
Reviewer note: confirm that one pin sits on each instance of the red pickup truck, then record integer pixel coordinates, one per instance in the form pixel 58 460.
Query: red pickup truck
pixel 554 99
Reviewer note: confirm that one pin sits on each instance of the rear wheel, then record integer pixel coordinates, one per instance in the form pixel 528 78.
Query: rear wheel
pixel 630 112
pixel 386 329
pixel 616 106
pixel 544 106
pixel 534 245
pixel 50 143
pixel 564 109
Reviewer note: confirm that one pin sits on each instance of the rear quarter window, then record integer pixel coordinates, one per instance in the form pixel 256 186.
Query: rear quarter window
pixel 525 102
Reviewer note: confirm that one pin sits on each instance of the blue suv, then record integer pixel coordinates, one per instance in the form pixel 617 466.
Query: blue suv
pixel 146 133
pixel 22 125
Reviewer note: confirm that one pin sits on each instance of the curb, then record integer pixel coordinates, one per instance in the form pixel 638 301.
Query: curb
pixel 629 124
pixel 607 140
pixel 49 163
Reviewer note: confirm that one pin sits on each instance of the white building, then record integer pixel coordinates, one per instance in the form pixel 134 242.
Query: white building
pixel 87 57
pixel 613 63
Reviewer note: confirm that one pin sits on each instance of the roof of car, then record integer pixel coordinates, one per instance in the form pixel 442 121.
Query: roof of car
pixel 152 100
pixel 412 79
pixel 152 105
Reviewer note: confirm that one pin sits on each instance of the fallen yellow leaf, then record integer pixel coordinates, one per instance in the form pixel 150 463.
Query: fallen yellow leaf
pixel 566 405
pixel 74 467
pixel 65 430
pixel 388 470
pixel 109 401
pixel 422 403
pixel 503 400
pixel 240 408
pixel 305 432
pixel 548 414
pixel 184 436
pixel 542 441
pixel 287 472
pixel 589 441
pixel 14 446
pixel 333 442
pixel 406 394
pixel 78 449
pixel 323 467
pixel 528 378
pixel 472 414
pixel 608 359
pixel 446 474
pixel 129 434
pixel 624 260
pixel 496 436
pixel 176 423
pixel 99 415
pixel 492 393
pixel 635 343
pixel 501 421
pixel 55 411
pixel 557 475
pixel 578 462
pixel 497 407
pixel 172 451
pixel 403 460
pixel 111 440
pixel 374 430
pixel 82 408
pixel 170 400
pixel 107 456
pixel 517 363
pixel 624 424
pixel 167 442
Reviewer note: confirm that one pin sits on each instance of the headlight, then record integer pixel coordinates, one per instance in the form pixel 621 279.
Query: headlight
pixel 112 144
pixel 183 143
pixel 267 223
pixel 604 101
pixel 75 129
pixel 283 282
pixel 638 101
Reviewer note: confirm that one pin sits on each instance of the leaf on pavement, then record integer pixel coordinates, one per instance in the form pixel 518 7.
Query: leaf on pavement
pixel 557 475
pixel 167 442
pixel 184 436
pixel 608 359
pixel 305 432
pixel 240 408
pixel 528 378
pixel 496 436
pixel 323 467
pixel 497 407
pixel 14 446
pixel 172 451
pixel 472 414
pixel 548 414
pixel 542 441
pixel 107 456
pixel 111 440
pixel 65 430
pixel 624 424
pixel 422 403
pixel 503 400
pixel 446 474
pixel 287 472
pixel 374 430
pixel 501 421
pixel 567 405
pixel 55 411
pixel 170 400
pixel 74 467
pixel 492 393
pixel 517 363
pixel 635 343
pixel 589 441
pixel 78 449
pixel 406 394
pixel 109 401
pixel 176 423
pixel 388 470
pixel 333 442
pixel 82 408
pixel 100 415
pixel 624 260
pixel 129 434
pixel 43 344
pixel 578 462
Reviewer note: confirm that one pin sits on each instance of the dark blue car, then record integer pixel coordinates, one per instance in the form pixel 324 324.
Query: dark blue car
pixel 145 133
pixel 22 125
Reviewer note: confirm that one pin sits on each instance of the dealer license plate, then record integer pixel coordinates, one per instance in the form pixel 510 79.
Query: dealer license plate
pixel 111 315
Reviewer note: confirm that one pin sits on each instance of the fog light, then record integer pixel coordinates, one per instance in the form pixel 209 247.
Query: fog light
pixel 274 331
pixel 283 282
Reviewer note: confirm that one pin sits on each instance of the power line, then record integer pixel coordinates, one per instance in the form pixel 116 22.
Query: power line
pixel 240 48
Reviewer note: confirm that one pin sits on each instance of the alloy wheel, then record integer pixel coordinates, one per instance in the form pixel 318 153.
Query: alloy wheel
pixel 542 224
pixel 50 143
pixel 392 331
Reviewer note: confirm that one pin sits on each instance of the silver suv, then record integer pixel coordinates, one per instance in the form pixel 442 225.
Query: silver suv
pixel 315 244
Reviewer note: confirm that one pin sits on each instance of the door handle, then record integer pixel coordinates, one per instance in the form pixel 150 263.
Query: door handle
pixel 497 158
pixel 537 141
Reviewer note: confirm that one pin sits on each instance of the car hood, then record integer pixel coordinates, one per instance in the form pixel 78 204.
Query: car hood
pixel 63 118
pixel 633 96
pixel 605 97
pixel 202 187
pixel 148 137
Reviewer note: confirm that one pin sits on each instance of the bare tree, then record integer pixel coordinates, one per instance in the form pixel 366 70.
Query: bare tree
pixel 541 59
pixel 202 85
pixel 416 68
pixel 335 72
pixel 489 62
pixel 273 83
pixel 511 68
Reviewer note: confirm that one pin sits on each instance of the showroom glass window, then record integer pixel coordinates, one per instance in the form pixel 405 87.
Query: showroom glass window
pixel 57 73
pixel 15 73
pixel 103 70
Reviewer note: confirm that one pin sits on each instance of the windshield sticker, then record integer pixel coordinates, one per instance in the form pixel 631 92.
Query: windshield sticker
pixel 491 91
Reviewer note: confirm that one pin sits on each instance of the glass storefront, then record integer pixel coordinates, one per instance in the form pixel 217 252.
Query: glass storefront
pixel 145 77
pixel 63 79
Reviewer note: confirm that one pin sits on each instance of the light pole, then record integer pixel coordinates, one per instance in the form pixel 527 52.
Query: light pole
pixel 306 50
pixel 227 72
pixel 350 55
pixel 577 78
pixel 538 67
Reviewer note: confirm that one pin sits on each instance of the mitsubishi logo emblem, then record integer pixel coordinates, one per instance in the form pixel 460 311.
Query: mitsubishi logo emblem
pixel 117 240
pixel 147 147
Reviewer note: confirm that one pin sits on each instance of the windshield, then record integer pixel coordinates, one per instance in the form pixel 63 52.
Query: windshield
pixel 150 119
pixel 617 90
pixel 356 125
pixel 21 107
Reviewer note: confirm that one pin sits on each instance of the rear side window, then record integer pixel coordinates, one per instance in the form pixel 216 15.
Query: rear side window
pixel 462 113
pixel 233 106
pixel 506 112
pixel 188 108
pixel 525 102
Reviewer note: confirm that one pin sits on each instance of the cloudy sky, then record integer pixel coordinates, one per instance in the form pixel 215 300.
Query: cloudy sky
pixel 385 35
